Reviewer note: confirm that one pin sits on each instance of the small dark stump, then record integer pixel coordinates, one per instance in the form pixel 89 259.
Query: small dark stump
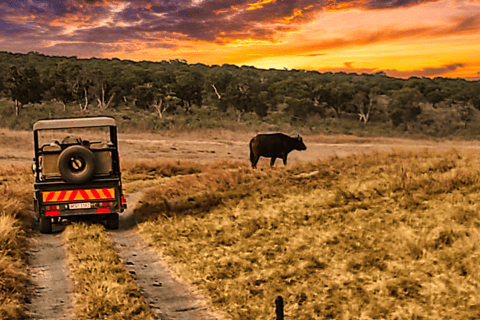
pixel 279 308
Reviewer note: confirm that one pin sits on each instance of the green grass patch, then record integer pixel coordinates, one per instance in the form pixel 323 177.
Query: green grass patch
pixel 380 235
pixel 103 287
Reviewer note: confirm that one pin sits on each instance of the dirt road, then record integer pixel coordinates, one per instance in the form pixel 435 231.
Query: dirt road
pixel 205 147
pixel 168 297
pixel 53 291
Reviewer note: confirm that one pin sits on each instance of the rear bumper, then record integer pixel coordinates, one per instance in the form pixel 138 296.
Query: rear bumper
pixel 80 212
pixel 63 202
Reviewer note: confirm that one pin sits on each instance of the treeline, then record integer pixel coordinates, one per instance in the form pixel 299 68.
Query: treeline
pixel 172 86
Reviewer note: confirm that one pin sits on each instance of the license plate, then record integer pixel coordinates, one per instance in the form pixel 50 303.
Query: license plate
pixel 84 205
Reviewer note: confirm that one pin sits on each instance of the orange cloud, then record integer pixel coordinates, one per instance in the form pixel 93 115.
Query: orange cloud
pixel 258 5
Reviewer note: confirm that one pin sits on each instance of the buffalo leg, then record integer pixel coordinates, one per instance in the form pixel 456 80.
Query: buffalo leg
pixel 253 160
pixel 285 160
pixel 272 162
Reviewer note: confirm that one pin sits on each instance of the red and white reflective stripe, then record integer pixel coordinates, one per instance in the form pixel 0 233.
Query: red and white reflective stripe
pixel 78 195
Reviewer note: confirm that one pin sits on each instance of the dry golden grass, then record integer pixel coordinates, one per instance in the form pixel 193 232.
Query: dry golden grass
pixel 145 173
pixel 392 236
pixel 103 287
pixel 15 199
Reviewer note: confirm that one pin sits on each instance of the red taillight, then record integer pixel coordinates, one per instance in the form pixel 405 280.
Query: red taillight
pixel 103 210
pixel 52 211
pixel 107 204
pixel 123 200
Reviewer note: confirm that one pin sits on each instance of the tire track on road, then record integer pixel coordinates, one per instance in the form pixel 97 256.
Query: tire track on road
pixel 53 291
pixel 167 296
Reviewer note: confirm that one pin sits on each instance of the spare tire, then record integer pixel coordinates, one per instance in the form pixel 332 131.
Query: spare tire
pixel 76 164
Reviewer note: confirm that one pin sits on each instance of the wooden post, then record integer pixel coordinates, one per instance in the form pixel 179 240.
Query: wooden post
pixel 279 308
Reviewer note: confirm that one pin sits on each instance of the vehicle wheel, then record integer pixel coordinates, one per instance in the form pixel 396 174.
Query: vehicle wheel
pixel 45 224
pixel 76 164
pixel 112 221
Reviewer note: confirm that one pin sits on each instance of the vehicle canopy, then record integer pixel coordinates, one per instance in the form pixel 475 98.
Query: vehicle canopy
pixel 73 123
pixel 94 129
pixel 93 139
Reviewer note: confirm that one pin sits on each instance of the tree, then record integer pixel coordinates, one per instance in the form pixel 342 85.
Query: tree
pixel 220 83
pixel 242 97
pixel 104 87
pixel 23 86
pixel 405 106
pixel 417 83
pixel 365 104
pixel 466 112
pixel 306 95
pixel 299 107
pixel 339 94
pixel 163 96
pixel 474 95
pixel 65 82
pixel 246 94
pixel 188 88
pixel 110 82
pixel 73 83
pixel 2 85
pixel 157 92
pixel 434 97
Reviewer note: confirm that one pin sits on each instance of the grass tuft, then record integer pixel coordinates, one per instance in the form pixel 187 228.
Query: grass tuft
pixel 15 201
pixel 103 287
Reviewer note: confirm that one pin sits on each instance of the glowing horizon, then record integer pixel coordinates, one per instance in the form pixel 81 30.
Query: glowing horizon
pixel 426 38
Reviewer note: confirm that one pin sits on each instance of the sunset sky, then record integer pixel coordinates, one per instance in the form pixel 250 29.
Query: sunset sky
pixel 403 38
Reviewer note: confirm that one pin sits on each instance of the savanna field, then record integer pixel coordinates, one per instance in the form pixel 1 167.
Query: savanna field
pixel 372 236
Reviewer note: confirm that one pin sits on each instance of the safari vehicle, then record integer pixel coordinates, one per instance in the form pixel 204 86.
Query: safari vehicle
pixel 77 171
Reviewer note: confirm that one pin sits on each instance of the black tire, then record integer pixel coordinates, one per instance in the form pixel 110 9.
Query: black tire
pixel 112 221
pixel 76 164
pixel 45 225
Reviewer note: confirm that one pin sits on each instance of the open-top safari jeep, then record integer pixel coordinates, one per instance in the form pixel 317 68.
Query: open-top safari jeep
pixel 77 171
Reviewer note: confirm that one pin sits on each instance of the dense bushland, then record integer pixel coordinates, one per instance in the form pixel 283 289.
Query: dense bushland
pixel 173 95
pixel 391 236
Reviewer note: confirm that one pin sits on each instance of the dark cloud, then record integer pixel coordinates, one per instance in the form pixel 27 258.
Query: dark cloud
pixel 312 55
pixel 350 70
pixel 37 6
pixel 81 49
pixel 390 4
pixel 12 29
pixel 466 24
pixel 426 72
pixel 208 20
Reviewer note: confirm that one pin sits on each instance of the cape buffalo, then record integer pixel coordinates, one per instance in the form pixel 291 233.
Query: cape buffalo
pixel 275 145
